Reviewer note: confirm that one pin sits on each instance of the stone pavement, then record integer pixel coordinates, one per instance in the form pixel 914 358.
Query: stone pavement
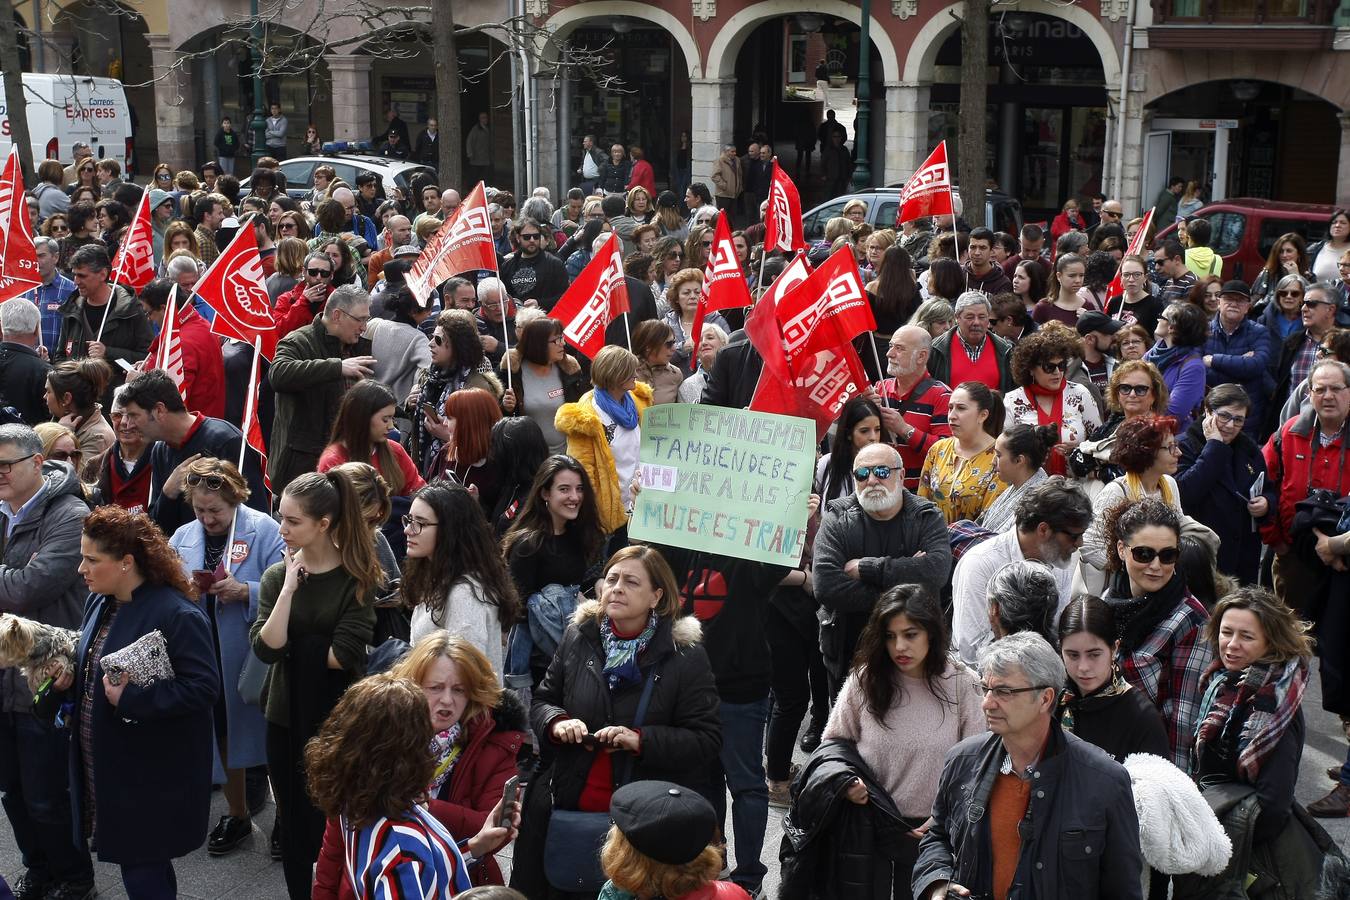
pixel 249 874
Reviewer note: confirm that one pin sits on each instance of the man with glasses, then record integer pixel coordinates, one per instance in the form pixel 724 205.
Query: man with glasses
pixel 298 307
pixel 1239 350
pixel 1050 522
pixel 880 536
pixel 53 290
pixel 313 368
pixel 1298 353
pixel 1029 804
pixel 532 275
pixel 152 405
pixel 1169 266
pixel 42 511
pixel 354 222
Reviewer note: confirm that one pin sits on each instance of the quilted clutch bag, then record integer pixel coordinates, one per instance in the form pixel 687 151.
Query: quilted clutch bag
pixel 142 662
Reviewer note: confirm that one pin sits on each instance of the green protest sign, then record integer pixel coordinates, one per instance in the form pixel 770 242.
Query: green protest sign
pixel 725 481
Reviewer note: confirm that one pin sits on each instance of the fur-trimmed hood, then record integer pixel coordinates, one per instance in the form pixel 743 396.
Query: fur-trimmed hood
pixel 580 419
pixel 686 631
pixel 567 364
pixel 510 714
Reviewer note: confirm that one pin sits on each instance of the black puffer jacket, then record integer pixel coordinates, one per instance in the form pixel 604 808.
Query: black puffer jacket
pixel 681 733
pixel 833 848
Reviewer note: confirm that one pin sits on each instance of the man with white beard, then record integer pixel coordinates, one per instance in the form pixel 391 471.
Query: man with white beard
pixel 1051 520
pixel 868 543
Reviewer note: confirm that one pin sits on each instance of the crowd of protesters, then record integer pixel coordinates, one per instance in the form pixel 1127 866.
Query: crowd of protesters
pixel 1071 555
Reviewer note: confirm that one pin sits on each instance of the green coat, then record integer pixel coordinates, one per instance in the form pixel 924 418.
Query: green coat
pixel 127 335
pixel 307 379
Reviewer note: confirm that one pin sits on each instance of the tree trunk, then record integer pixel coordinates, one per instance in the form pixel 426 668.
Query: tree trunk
pixel 446 65
pixel 16 105
pixel 971 122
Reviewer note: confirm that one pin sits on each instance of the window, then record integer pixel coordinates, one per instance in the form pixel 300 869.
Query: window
pixel 813 224
pixel 1227 230
pixel 299 174
pixel 1311 230
pixel 885 215
pixel 1239 10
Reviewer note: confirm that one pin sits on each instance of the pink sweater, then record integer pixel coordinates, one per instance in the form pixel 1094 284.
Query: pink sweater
pixel 907 750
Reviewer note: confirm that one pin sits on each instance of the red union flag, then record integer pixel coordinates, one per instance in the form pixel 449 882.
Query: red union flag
pixel 134 264
pixel 253 435
pixel 463 244
pixel 596 298
pixel 827 310
pixel 724 284
pixel 18 266
pixel 236 289
pixel 167 349
pixel 1137 243
pixel 929 190
pixel 783 218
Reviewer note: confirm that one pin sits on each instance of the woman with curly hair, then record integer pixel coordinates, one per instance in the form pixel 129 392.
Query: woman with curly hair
pixel 959 474
pixel 365 772
pixel 1182 332
pixel 1046 396
pixel 1159 623
pixel 455 578
pixel 142 793
pixel 1146 451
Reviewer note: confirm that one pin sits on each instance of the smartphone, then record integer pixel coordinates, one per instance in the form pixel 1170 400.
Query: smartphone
pixel 589 741
pixel 429 411
pixel 509 792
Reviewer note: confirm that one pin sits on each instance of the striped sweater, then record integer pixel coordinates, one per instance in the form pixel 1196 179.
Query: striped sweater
pixel 413 858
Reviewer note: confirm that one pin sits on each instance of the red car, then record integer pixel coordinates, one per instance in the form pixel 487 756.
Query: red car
pixel 1245 228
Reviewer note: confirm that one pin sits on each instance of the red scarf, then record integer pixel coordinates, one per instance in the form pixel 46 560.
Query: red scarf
pixel 1055 464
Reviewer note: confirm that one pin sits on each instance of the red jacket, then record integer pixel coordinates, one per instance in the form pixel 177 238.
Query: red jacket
pixel 1291 454
pixel 203 365
pixel 293 310
pixel 1062 226
pixel 643 176
pixel 476 781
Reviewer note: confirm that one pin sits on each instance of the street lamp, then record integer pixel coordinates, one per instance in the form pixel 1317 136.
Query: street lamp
pixel 257 123
pixel 862 169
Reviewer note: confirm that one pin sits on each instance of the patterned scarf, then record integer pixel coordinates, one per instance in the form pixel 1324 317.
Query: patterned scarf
pixel 1270 694
pixel 621 654
pixel 445 749
pixel 1070 700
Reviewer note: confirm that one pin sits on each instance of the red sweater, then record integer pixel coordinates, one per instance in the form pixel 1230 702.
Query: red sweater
pixel 336 454
pixel 293 310
pixel 203 365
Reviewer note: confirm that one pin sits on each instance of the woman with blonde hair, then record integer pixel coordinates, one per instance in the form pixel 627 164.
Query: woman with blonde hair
pixel 682 294
pixel 290 261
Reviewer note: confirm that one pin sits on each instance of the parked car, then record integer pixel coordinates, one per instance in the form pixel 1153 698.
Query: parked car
pixel 1245 228
pixel 299 172
pixel 1001 212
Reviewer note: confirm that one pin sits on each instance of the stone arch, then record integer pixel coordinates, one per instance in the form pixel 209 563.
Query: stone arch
pixel 1202 68
pixel 727 44
pixel 567 20
pixel 922 55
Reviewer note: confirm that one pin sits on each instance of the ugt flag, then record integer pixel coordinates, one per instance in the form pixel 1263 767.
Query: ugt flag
pixel 18 265
pixel 235 287
pixel 134 264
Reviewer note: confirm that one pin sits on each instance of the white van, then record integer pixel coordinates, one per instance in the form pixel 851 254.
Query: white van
pixel 63 109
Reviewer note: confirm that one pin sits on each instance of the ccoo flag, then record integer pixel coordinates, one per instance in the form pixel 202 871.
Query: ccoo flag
pixel 724 284
pixel 783 218
pixel 463 244
pixel 928 191
pixel 596 298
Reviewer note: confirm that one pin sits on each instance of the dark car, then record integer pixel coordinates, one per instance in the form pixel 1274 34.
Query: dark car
pixel 1245 228
pixel 1001 212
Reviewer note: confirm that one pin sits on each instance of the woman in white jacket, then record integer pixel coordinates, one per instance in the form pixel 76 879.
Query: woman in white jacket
pixel 454 578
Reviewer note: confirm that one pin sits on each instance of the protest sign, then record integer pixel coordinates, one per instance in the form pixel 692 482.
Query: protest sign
pixel 725 481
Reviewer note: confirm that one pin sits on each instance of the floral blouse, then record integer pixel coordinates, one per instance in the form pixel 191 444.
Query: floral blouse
pixel 1080 414
pixel 961 488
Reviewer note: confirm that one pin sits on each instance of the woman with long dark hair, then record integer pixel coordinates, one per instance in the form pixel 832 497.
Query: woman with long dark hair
pixel 894 297
pixel 361 434
pixel 1019 458
pixel 544 378
pixel 315 618
pixel 858 425
pixel 518 445
pixel 72 396
pixel 1028 282
pixel 906 702
pixel 457 362
pixel 455 578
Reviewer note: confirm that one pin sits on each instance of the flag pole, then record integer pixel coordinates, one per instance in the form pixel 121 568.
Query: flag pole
pixel 628 334
pixel 249 403
pixel 881 373
pixel 506 341
pixel 166 331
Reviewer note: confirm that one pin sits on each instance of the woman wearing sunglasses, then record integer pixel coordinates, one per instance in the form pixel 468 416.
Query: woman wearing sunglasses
pixel 1040 364
pixel 1283 312
pixel 85 177
pixel 1219 465
pixel 669 255
pixel 217 492
pixel 1159 624
pixel 655 344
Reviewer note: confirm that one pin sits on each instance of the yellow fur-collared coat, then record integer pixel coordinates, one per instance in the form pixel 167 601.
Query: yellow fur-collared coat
pixel 587 444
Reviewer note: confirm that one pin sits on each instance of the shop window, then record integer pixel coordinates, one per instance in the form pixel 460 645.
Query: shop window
pixel 1227 229
pixel 1239 10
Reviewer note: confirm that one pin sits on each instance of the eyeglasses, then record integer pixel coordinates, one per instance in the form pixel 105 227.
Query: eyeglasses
pixel 1145 555
pixel 64 455
pixel 1131 275
pixel 286 226
pixel 1002 693
pixel 1114 215
pixel 212 482
pixel 1137 390
pixel 1308 303
pixel 530 237
pixel 1325 389
pixel 362 319
pixel 1173 447
pixel 7 464
pixel 319 273
pixel 1051 368
pixel 415 527
pixel 862 473
pixel 675 256
pixel 87 169
pixel 438 340
pixel 163 176
pixel 707 244
pixel 1288 293
pixel 1323 352
pixel 559 340
pixel 1239 421
pixel 56 228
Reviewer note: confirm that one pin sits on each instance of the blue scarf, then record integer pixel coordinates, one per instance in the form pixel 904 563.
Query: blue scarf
pixel 624 414
pixel 621 654
pixel 1165 357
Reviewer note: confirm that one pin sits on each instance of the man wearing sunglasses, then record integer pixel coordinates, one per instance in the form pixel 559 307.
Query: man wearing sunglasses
pixel 151 404
pixel 1029 809
pixel 1239 350
pixel 42 510
pixel 1298 353
pixel 880 536
pixel 531 273
pixel 1050 523
pixel 297 307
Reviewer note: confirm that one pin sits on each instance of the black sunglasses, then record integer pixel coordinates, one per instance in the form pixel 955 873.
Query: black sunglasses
pixel 881 472
pixel 1138 390
pixel 319 273
pixel 1051 368
pixel 438 340
pixel 530 237
pixel 1145 555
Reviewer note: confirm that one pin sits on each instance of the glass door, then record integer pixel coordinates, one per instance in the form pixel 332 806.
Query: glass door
pixel 1042 134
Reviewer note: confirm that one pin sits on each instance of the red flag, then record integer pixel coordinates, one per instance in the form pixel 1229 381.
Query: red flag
pixel 18 266
pixel 928 191
pixel 236 288
pixel 167 350
pixel 826 311
pixel 1117 285
pixel 252 427
pixel 134 264
pixel 783 218
pixel 724 284
pixel 596 298
pixel 463 244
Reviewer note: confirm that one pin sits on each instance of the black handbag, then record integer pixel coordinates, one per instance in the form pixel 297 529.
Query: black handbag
pixel 574 839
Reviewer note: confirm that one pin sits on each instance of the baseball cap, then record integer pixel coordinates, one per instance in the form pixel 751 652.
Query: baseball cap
pixel 1092 321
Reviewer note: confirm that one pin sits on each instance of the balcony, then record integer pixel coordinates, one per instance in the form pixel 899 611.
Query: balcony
pixel 1242 24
